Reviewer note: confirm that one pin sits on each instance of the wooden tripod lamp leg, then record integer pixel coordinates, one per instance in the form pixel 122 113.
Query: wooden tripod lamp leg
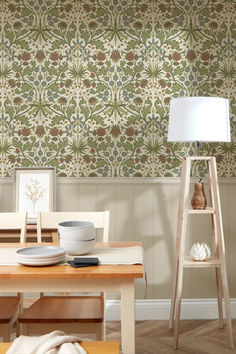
pixel 180 247
pixel 219 298
pixel 219 226
pixel 177 247
pixel 215 240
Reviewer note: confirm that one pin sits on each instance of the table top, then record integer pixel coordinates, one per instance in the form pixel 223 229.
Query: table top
pixel 68 272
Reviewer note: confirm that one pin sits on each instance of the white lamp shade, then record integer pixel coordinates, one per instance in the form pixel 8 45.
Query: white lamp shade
pixel 199 119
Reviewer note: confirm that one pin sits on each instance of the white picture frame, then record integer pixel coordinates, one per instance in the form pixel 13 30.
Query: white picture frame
pixel 35 191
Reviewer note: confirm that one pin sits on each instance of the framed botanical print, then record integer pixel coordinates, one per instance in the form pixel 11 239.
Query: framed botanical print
pixel 35 190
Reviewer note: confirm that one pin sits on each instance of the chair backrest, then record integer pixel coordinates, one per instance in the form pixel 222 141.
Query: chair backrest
pixel 14 221
pixel 50 220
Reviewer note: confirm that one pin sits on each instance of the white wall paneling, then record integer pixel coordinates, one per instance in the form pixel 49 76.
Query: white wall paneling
pixel 145 209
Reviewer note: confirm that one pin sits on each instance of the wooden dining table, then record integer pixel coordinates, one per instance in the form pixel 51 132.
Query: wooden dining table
pixel 61 278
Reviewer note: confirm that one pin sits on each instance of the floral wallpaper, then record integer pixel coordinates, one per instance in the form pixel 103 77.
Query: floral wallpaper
pixel 86 85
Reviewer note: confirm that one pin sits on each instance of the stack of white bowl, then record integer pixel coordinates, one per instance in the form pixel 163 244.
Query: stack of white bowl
pixel 76 237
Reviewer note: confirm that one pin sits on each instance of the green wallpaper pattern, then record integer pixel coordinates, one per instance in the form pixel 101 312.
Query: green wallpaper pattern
pixel 86 85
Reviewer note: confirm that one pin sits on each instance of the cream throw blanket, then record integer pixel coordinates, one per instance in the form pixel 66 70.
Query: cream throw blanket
pixel 56 342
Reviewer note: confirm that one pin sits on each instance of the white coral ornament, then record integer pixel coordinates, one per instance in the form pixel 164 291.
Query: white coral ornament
pixel 200 251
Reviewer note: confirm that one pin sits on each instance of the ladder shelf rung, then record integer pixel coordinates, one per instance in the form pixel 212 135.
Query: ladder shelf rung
pixel 210 262
pixel 202 211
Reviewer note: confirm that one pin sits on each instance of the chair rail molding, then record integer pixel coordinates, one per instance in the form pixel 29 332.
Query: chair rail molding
pixel 122 180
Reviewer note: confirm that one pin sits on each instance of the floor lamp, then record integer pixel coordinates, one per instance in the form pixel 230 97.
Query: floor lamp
pixel 199 119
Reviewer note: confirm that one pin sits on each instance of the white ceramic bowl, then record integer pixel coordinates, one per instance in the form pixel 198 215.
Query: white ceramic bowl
pixel 77 247
pixel 76 230
pixel 77 235
pixel 68 225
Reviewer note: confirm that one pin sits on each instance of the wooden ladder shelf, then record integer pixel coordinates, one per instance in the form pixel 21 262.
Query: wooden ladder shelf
pixel 217 260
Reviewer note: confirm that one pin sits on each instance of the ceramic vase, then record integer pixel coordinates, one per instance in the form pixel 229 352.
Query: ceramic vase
pixel 199 199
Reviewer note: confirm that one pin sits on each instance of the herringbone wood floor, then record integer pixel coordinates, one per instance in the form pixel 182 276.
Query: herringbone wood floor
pixel 197 337
pixel 154 337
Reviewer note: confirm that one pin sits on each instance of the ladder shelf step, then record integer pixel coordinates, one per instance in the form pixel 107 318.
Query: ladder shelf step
pixel 202 211
pixel 211 262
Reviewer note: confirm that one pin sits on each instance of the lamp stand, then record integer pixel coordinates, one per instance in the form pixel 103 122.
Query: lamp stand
pixel 217 261
pixel 199 144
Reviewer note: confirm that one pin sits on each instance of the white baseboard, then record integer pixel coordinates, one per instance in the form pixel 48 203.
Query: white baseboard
pixel 160 309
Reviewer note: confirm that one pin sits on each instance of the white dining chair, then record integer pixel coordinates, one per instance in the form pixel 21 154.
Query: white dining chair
pixel 14 221
pixel 11 306
pixel 73 314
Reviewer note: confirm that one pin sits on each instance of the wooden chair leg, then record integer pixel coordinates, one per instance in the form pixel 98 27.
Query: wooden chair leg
pixel 17 328
pixel 55 237
pixel 6 333
pixel 21 305
pixel 104 331
pixel 24 329
pixel 104 318
pixel 99 331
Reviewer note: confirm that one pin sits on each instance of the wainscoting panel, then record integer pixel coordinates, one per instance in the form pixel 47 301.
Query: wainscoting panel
pixel 145 209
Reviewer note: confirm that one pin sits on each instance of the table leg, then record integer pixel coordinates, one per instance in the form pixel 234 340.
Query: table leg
pixel 127 316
